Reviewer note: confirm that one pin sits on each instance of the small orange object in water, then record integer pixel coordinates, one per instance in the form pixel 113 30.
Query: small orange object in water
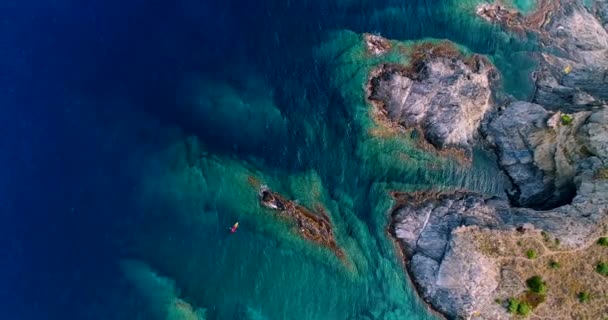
pixel 234 227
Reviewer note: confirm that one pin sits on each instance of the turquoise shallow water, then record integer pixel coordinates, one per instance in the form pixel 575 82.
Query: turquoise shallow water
pixel 287 108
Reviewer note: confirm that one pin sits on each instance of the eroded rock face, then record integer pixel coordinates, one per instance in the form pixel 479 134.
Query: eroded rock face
pixel 539 153
pixel 441 94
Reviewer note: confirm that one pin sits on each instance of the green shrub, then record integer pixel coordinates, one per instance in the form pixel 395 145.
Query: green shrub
pixel 603 241
pixel 602 268
pixel 513 305
pixel 523 309
pixel 583 296
pixel 566 119
pixel 531 254
pixel 554 264
pixel 537 285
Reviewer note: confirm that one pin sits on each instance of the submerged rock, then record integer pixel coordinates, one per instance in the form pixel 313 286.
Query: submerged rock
pixel 315 227
pixel 440 94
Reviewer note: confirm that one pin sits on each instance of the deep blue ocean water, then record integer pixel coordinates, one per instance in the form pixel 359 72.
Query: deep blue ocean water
pixel 98 99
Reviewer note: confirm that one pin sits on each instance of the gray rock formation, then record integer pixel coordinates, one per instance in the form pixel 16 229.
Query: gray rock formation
pixel 441 94
pixel 538 151
pixel 578 78
pixel 450 276
pixel 432 228
pixel 600 9
pixel 558 166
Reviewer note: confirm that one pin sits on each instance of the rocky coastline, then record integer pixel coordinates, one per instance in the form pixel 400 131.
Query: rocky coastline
pixel 471 256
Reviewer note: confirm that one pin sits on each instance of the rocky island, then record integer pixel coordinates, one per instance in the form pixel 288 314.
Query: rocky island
pixel 539 250
pixel 313 226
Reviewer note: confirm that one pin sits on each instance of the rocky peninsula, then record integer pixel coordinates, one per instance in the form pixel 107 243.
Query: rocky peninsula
pixel 536 252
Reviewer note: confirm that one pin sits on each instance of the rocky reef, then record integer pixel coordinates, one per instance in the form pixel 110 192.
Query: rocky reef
pixel 313 226
pixel 471 256
pixel 441 94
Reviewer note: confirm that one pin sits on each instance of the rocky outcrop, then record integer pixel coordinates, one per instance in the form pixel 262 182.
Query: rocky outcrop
pixel 576 31
pixel 568 85
pixel 450 275
pixel 574 76
pixel 437 230
pixel 376 45
pixel 440 94
pixel 315 227
pixel 554 150
pixel 538 150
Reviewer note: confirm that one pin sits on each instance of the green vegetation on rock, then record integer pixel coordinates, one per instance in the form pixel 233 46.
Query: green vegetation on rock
pixel 583 296
pixel 531 254
pixel 537 285
pixel 519 307
pixel 566 119
pixel 603 241
pixel 524 309
pixel 602 268
pixel 513 305
pixel 554 264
